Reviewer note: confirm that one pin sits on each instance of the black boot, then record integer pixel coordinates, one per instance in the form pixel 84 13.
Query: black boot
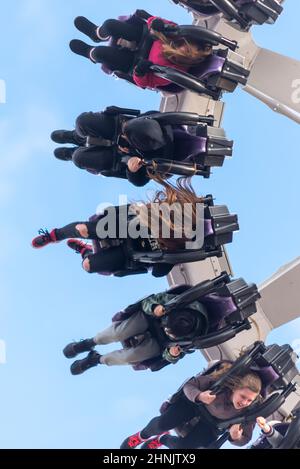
pixel 80 366
pixel 89 29
pixel 67 136
pixel 74 348
pixel 64 153
pixel 81 48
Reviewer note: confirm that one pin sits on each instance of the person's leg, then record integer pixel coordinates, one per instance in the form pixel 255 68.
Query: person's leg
pixel 149 348
pixel 201 436
pixel 79 229
pixel 73 230
pixel 177 413
pixel 180 412
pixel 110 28
pixel 64 153
pixel 93 158
pixel 111 57
pixel 95 124
pixel 121 29
pixel 109 260
pixel 121 330
pixel 67 136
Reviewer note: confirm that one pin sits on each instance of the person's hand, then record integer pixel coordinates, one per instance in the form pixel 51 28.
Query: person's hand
pixel 263 425
pixel 175 350
pixel 206 397
pixel 142 14
pixel 159 311
pixel 123 149
pixel 236 432
pixel 158 25
pixel 134 164
pixel 142 67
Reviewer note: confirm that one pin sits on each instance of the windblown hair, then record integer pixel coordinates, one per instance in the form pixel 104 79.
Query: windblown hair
pixel 175 219
pixel 193 53
pixel 249 379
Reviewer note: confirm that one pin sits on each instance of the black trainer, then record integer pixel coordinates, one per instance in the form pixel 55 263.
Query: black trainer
pixel 89 29
pixel 81 48
pixel 64 153
pixel 74 348
pixel 67 136
pixel 80 366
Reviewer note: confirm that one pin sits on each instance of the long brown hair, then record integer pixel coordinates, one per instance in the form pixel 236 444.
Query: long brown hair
pixel 175 197
pixel 193 53
pixel 250 379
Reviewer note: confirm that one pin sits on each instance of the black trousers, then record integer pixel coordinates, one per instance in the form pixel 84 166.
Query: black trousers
pixel 113 57
pixel 94 124
pixel 109 260
pixel 178 413
pixel 93 158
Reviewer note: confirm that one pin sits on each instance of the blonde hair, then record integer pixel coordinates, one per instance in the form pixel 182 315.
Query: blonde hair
pixel 193 53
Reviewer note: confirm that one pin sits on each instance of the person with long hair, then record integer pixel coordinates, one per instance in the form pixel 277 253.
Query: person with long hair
pixel 181 412
pixel 156 230
pixel 176 52
pixel 115 144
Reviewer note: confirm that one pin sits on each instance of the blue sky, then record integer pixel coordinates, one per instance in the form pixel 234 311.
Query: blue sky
pixel 47 300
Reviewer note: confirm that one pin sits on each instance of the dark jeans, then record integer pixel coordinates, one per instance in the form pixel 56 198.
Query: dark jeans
pixel 93 158
pixel 109 260
pixel 113 57
pixel 95 124
pixel 178 413
pixel 98 125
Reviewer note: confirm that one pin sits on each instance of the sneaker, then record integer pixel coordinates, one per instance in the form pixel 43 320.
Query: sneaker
pixel 64 153
pixel 43 239
pixel 132 441
pixel 80 366
pixel 81 48
pixel 74 348
pixel 90 29
pixel 154 443
pixel 67 136
pixel 80 247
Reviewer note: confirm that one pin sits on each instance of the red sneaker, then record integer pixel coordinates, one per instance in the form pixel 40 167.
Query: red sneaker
pixel 132 441
pixel 79 246
pixel 154 443
pixel 43 239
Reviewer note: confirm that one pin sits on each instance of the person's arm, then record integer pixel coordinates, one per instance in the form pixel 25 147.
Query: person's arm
pixel 196 386
pixel 138 178
pixel 160 270
pixel 241 435
pixel 269 432
pixel 150 303
pixel 173 354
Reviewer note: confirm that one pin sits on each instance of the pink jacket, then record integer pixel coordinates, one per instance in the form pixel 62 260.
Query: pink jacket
pixel 149 80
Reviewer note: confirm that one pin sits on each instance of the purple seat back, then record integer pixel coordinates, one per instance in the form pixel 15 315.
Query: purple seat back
pixel 208 229
pixel 218 307
pixel 186 145
pixel 212 65
pixel 267 375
